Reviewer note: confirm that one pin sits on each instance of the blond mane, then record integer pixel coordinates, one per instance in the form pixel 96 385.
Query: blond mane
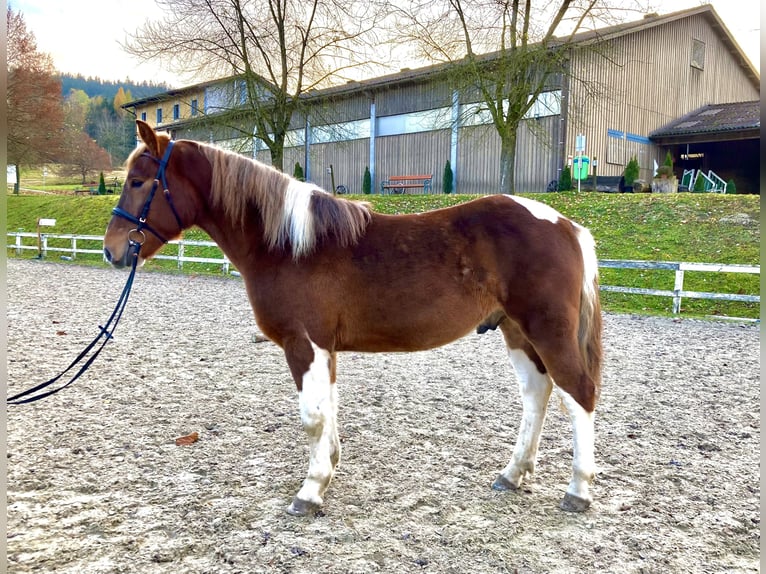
pixel 294 214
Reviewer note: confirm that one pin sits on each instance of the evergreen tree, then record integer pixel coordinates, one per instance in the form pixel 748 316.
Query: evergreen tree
pixel 565 181
pixel 367 181
pixel 298 172
pixel 447 179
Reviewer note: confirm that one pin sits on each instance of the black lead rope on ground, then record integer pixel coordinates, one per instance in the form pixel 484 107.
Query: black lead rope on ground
pixel 105 334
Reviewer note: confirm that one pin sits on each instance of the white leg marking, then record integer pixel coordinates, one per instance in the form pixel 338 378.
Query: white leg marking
pixel 318 403
pixel 584 461
pixel 297 220
pixel 535 389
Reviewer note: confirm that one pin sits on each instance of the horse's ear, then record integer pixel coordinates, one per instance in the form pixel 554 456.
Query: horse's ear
pixel 149 137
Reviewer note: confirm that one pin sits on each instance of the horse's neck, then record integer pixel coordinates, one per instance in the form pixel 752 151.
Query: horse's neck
pixel 239 243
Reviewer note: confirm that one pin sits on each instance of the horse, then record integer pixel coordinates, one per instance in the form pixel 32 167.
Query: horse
pixel 325 274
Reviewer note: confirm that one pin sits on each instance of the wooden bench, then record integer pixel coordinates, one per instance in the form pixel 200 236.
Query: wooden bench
pixel 401 183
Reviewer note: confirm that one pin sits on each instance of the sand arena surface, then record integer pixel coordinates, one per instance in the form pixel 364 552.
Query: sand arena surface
pixel 96 483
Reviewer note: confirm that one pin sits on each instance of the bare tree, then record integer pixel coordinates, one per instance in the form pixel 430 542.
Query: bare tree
pixel 503 53
pixel 84 156
pixel 278 49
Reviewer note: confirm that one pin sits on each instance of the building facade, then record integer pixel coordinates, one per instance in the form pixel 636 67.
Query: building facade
pixel 622 84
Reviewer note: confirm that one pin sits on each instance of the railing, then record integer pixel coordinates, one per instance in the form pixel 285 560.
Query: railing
pixel 677 293
pixel 678 288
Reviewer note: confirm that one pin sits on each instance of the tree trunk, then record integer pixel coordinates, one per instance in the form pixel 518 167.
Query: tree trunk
pixel 508 163
pixel 17 185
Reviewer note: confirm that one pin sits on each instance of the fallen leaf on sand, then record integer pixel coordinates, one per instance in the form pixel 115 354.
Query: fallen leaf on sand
pixel 188 439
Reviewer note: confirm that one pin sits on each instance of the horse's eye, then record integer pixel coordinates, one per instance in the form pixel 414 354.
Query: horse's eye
pixel 136 183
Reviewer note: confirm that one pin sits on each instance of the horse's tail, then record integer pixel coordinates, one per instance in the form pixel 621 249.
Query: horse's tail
pixel 589 331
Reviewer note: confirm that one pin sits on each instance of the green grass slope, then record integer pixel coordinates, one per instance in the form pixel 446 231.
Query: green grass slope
pixel 706 228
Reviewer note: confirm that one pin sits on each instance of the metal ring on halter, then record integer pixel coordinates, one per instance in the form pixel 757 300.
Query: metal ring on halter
pixel 130 236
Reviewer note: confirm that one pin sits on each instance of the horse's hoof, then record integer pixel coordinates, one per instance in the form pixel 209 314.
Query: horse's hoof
pixel 572 503
pixel 501 483
pixel 300 507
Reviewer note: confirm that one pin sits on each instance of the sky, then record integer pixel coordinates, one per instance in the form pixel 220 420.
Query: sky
pixel 83 36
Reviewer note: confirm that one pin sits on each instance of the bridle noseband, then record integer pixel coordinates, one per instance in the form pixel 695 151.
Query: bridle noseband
pixel 136 236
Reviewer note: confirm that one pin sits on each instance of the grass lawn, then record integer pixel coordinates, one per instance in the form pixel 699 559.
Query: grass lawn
pixel 689 227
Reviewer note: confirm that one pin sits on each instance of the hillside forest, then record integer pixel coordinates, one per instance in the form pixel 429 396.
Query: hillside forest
pixel 76 123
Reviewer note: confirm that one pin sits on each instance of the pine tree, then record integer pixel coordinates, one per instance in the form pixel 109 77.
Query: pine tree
pixel 367 181
pixel 565 181
pixel 447 178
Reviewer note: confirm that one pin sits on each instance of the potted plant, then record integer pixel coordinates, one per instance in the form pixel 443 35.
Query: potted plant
pixel 665 180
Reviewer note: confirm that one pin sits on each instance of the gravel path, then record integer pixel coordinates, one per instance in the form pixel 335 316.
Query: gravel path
pixel 96 483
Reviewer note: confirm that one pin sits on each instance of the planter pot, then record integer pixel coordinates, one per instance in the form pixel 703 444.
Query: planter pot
pixel 665 185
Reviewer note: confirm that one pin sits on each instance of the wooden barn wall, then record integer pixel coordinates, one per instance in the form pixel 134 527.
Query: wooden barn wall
pixel 412 154
pixel 404 98
pixel 537 153
pixel 649 83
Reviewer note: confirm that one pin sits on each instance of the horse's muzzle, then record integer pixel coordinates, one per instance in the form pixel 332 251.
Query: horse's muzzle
pixel 123 261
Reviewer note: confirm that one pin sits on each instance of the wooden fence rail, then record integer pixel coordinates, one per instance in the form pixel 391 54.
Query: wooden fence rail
pixel 677 293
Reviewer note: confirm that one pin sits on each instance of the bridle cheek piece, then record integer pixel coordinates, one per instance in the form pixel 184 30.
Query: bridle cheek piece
pixel 136 236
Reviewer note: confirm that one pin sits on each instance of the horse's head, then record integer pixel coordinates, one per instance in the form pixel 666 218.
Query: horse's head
pixel 148 213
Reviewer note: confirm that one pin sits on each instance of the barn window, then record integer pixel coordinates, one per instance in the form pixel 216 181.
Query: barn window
pixel 176 111
pixel 698 54
pixel 159 116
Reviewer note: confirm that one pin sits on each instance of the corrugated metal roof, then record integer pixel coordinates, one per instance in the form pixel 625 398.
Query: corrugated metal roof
pixel 586 37
pixel 738 116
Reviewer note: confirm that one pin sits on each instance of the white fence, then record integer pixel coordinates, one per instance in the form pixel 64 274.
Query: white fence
pixel 677 293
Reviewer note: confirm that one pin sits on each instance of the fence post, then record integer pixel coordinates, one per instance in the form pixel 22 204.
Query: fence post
pixel 74 246
pixel 225 265
pixel 180 255
pixel 18 244
pixel 677 288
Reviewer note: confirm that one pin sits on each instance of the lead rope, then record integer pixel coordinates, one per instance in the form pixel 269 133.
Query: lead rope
pixel 106 333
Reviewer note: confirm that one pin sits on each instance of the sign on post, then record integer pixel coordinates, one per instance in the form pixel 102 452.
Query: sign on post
pixel 42 222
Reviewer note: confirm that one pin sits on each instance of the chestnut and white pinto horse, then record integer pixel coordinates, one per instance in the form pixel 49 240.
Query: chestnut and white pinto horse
pixel 325 275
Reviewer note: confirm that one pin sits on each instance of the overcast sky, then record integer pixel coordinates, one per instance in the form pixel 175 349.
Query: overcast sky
pixel 83 36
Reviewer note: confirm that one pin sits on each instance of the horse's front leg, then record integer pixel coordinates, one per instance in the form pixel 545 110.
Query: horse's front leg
pixel 314 371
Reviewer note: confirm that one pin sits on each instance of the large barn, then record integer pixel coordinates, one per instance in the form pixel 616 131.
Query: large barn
pixel 677 82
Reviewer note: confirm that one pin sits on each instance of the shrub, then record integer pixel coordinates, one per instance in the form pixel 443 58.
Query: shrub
pixel 731 187
pixel 447 179
pixel 298 172
pixel 665 171
pixel 699 184
pixel 367 181
pixel 668 160
pixel 565 181
pixel 631 172
pixel 101 184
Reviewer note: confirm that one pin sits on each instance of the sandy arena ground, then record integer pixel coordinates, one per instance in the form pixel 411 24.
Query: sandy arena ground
pixel 96 483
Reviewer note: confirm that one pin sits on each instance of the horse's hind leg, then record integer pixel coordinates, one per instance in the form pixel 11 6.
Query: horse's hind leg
pixel 535 388
pixel 318 402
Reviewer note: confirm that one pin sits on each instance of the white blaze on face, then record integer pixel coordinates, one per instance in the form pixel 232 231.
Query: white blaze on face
pixel 296 218
pixel 539 210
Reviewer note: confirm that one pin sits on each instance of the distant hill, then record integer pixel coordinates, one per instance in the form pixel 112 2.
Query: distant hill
pixel 107 89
